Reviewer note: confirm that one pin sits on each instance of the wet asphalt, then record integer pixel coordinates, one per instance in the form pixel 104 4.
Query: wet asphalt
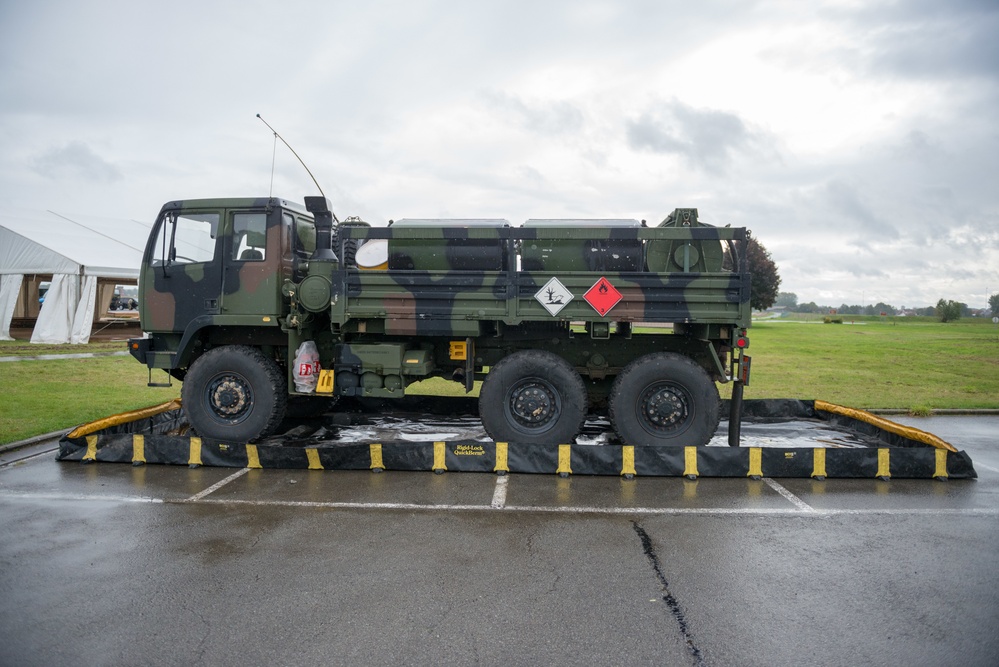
pixel 108 564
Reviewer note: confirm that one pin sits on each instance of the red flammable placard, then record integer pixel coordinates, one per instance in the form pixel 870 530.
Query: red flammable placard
pixel 602 296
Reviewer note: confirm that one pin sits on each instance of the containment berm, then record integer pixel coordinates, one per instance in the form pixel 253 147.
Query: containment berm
pixel 870 447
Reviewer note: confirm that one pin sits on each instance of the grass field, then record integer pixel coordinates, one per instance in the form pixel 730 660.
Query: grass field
pixel 44 396
pixel 909 363
pixel 905 363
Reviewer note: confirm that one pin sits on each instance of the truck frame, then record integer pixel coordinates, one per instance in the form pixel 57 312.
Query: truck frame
pixel 555 317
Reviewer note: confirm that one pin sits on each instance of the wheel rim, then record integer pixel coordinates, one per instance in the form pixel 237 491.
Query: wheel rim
pixel 533 405
pixel 229 397
pixel 665 408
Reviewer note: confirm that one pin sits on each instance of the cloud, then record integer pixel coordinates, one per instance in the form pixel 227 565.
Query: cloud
pixel 845 200
pixel 76 160
pixel 860 269
pixel 709 139
pixel 542 117
pixel 930 40
pixel 918 145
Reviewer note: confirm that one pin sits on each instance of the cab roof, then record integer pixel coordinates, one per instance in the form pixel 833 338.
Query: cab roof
pixel 235 202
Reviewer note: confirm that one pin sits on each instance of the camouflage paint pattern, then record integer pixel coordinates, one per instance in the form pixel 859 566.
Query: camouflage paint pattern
pixel 437 300
pixel 187 308
pixel 182 304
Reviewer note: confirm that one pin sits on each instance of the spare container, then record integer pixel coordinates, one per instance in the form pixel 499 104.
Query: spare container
pixel 608 254
pixel 450 250
pixel 701 256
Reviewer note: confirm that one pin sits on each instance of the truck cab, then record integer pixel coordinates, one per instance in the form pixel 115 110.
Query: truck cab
pixel 213 270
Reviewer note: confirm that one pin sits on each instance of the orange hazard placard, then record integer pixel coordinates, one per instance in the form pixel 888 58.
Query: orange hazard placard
pixel 602 296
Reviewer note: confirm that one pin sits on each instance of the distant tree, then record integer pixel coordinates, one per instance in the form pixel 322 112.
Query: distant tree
pixel 994 303
pixel 787 300
pixel 949 311
pixel 810 307
pixel 880 307
pixel 765 282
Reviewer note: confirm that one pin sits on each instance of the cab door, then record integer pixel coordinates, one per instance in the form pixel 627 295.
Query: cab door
pixel 181 278
pixel 251 282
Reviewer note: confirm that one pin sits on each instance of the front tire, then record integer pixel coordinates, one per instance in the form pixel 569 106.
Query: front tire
pixel 664 399
pixel 533 397
pixel 234 393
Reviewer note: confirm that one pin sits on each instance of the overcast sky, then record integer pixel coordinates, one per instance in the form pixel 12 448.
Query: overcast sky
pixel 859 140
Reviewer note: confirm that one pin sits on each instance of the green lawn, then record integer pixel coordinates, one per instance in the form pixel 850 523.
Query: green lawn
pixel 908 363
pixel 903 363
pixel 44 396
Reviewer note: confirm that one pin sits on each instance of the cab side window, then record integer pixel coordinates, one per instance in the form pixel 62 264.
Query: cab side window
pixel 249 237
pixel 186 238
pixel 305 238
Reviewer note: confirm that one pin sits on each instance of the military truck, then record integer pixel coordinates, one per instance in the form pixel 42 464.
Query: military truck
pixel 555 317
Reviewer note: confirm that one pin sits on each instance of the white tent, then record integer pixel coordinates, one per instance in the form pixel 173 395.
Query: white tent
pixel 76 251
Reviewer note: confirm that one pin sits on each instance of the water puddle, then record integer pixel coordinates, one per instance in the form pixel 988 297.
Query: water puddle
pixel 356 429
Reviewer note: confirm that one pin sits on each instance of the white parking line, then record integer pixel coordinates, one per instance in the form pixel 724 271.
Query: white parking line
pixel 499 494
pixel 986 467
pixel 217 485
pixel 19 495
pixel 624 511
pixel 798 502
pixel 543 509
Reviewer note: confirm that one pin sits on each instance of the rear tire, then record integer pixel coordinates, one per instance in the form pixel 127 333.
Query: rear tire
pixel 234 393
pixel 664 399
pixel 533 397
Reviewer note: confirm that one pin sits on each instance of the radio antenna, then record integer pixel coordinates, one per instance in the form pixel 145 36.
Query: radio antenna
pixel 300 160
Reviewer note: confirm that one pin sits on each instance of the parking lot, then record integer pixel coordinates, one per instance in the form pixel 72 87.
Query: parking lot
pixel 162 565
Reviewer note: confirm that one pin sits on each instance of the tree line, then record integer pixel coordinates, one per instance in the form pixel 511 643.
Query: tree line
pixel 946 310
pixel 765 289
